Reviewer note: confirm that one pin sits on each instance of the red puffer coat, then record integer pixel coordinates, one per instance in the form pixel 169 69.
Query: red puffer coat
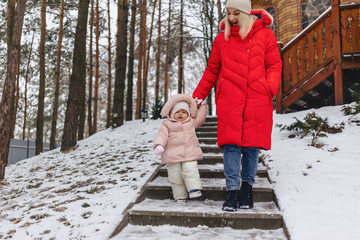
pixel 248 74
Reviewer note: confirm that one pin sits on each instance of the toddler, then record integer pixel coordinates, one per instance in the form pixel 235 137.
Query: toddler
pixel 179 147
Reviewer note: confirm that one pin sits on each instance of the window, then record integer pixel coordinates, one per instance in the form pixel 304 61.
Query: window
pixel 271 10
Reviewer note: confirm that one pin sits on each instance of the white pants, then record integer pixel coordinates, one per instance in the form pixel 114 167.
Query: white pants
pixel 184 177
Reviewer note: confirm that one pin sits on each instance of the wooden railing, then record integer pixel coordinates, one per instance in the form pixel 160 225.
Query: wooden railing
pixel 317 52
pixel 350 35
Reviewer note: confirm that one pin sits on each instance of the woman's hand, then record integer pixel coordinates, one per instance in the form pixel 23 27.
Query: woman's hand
pixel 198 102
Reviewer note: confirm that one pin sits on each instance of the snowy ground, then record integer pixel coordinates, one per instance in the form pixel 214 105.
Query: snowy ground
pixel 318 189
pixel 82 194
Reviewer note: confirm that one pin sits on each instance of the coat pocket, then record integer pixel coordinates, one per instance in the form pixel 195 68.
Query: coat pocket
pixel 218 89
pixel 266 89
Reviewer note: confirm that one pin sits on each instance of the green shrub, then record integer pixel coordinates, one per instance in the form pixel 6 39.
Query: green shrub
pixel 313 125
pixel 354 91
pixel 156 110
pixel 351 109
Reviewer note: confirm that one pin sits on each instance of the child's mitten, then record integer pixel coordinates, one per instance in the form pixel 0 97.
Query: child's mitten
pixel 200 101
pixel 159 150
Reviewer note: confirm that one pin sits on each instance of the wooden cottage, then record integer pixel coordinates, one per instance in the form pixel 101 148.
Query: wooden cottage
pixel 319 42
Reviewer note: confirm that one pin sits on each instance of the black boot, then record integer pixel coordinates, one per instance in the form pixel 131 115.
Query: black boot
pixel 231 201
pixel 246 196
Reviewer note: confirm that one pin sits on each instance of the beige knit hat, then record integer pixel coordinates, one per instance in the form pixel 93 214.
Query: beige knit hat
pixel 180 105
pixel 242 5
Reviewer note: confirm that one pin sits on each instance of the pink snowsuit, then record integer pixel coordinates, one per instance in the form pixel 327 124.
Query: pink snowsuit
pixel 181 147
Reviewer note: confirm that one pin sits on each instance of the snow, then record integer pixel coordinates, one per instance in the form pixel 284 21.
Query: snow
pixel 82 194
pixel 318 189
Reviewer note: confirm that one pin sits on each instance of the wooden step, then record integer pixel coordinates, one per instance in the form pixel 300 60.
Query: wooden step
pixel 208 213
pixel 210 140
pixel 211 149
pixel 198 232
pixel 206 134
pixel 212 159
pixel 209 124
pixel 214 171
pixel 212 129
pixel 211 119
pixel 213 189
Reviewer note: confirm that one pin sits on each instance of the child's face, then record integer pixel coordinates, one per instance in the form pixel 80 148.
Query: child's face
pixel 181 115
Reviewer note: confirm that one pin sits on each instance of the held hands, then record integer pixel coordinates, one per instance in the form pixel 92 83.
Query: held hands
pixel 199 101
pixel 159 150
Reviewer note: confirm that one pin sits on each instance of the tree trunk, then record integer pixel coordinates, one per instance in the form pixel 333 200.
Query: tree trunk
pixel 120 62
pixel 26 82
pixel 140 59
pixel 108 108
pixel 14 31
pixel 146 67
pixel 11 11
pixel 180 55
pixel 16 102
pixel 77 83
pixel 167 74
pixel 129 98
pixel 207 17
pixel 144 81
pixel 97 68
pixel 157 75
pixel 219 11
pixel 57 80
pixel 89 107
pixel 40 111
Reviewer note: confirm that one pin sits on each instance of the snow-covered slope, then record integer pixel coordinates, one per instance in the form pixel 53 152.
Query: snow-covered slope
pixel 81 194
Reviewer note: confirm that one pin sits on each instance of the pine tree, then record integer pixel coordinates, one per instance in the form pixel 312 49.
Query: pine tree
pixel 41 96
pixel 90 97
pixel 158 51
pixel 57 79
pixel 97 68
pixel 120 62
pixel 129 96
pixel 77 83
pixel 108 106
pixel 14 31
pixel 167 53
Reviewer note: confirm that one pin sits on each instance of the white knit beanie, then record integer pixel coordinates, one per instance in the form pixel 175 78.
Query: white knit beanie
pixel 242 5
pixel 178 106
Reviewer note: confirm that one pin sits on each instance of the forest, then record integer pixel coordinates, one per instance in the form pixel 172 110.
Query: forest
pixel 69 69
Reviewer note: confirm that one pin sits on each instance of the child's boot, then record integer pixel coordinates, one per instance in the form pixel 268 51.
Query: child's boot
pixel 195 193
pixel 231 201
pixel 181 200
pixel 246 196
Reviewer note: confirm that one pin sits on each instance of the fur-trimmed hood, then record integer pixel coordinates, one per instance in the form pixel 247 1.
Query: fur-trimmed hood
pixel 165 112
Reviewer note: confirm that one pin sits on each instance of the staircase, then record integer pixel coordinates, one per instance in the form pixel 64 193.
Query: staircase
pixel 319 64
pixel 156 208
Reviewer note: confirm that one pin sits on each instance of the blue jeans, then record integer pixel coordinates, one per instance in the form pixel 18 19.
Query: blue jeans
pixel 234 164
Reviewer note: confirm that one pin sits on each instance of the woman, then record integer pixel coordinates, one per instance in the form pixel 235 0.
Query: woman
pixel 245 63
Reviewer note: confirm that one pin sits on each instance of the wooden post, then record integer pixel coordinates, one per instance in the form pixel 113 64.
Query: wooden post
pixel 279 104
pixel 338 74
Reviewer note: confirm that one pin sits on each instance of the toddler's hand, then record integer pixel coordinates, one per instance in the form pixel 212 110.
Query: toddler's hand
pixel 159 149
pixel 198 102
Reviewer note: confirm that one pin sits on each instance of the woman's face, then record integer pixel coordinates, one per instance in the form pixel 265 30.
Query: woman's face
pixel 233 16
pixel 181 115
